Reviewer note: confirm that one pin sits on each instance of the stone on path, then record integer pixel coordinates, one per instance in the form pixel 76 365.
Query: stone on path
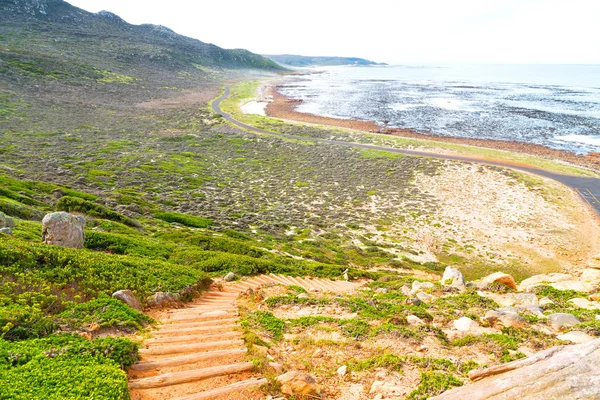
pixel 63 229
pixel 127 297
pixel 229 277
pixel 341 371
pixel 562 372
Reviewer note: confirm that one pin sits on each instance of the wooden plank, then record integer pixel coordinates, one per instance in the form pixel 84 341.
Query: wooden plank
pixel 235 387
pixel 185 348
pixel 199 329
pixel 190 324
pixel 176 378
pixel 186 359
pixel 195 338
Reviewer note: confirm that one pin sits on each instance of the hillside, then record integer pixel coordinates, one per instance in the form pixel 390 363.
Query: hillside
pixel 308 61
pixel 112 122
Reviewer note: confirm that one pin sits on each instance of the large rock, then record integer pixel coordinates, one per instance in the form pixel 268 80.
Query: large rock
pixel 63 229
pixel 562 372
pixel 507 317
pixel 585 303
pixel 499 277
pixel 298 383
pixel 562 321
pixel 127 297
pixel 420 286
pixel 453 277
pixel 6 221
pixel 164 299
pixel 465 324
pixel 577 285
pixel 575 337
pixel 590 275
pixel 543 279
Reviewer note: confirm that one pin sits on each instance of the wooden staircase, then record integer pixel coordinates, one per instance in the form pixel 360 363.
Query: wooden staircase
pixel 198 353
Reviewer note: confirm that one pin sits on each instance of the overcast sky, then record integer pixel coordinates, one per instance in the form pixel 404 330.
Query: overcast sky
pixel 392 31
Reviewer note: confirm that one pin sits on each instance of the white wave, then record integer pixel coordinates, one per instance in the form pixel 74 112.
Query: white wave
pixel 593 140
pixel 453 104
pixel 404 106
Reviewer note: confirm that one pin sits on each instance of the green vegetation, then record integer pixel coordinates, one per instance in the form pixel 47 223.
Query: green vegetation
pixel 75 204
pixel 184 219
pixel 65 367
pixel 104 311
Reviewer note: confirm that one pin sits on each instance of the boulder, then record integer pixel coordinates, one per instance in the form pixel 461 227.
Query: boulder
pixel 63 229
pixel 298 383
pixel 164 299
pixel 414 320
pixel 562 321
pixel 127 297
pixel 453 277
pixel 424 297
pixel 465 324
pixel 525 299
pixel 498 277
pixel 405 289
pixel 507 317
pixel 577 285
pixel 546 302
pixel 585 303
pixel 590 275
pixel 420 286
pixel 575 337
pixel 6 231
pixel 229 277
pixel 543 279
pixel 562 372
pixel 6 221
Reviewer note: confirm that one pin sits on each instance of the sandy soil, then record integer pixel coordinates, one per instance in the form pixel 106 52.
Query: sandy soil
pixel 285 108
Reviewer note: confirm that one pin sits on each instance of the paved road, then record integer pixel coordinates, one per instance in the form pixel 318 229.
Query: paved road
pixel 587 188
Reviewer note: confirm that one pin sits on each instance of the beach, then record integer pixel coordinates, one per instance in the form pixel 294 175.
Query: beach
pixel 284 107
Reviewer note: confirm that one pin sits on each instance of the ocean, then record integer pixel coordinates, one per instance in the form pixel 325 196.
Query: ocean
pixel 557 106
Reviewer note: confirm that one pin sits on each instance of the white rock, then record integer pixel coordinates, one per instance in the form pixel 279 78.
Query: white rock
pixel 525 299
pixel 545 302
pixel 414 320
pixel 543 279
pixel 341 371
pixel 465 324
pixel 229 277
pixel 590 275
pixel 424 297
pixel 420 286
pixel 585 303
pixel 453 277
pixel 575 337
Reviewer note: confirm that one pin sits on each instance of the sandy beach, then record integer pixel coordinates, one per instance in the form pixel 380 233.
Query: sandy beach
pixel 285 108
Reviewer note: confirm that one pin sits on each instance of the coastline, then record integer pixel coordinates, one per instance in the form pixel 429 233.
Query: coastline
pixel 284 107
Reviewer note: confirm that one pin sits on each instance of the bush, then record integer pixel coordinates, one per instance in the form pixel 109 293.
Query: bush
pixel 106 312
pixel 121 244
pixel 184 219
pixel 18 210
pixel 37 274
pixel 23 322
pixel 75 204
pixel 65 367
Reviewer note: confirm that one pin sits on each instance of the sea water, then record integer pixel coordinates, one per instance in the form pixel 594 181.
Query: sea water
pixel 557 106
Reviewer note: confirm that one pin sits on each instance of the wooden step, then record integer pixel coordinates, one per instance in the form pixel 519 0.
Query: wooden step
pixel 186 359
pixel 190 348
pixel 191 324
pixel 191 316
pixel 234 387
pixel 176 378
pixel 189 331
pixel 176 339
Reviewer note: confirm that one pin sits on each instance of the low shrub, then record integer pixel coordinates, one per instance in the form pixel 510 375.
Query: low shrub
pixel 76 204
pixel 184 219
pixel 122 244
pixel 104 311
pixel 23 322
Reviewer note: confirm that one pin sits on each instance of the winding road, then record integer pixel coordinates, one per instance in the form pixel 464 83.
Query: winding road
pixel 587 188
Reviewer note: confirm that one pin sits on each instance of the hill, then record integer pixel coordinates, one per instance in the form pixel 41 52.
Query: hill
pixel 308 61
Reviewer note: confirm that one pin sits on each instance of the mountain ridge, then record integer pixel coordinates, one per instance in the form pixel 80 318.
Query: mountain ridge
pixel 293 60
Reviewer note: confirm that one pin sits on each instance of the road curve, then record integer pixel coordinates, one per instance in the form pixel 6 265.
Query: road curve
pixel 587 188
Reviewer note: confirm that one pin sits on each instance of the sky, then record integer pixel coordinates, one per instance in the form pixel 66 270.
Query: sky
pixel 392 31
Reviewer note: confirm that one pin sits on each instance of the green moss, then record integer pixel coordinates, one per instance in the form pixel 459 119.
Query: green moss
pixel 265 321
pixel 385 360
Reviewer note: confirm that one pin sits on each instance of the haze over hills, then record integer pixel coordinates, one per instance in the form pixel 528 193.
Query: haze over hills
pixel 309 61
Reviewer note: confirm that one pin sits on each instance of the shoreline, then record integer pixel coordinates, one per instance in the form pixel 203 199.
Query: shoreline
pixel 284 107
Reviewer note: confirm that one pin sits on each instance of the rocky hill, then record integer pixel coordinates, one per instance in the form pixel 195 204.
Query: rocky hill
pixel 56 27
pixel 309 61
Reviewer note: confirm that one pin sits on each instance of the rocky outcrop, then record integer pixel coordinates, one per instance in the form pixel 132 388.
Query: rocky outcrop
pixel 63 229
pixel 563 372
pixel 498 277
pixel 127 297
